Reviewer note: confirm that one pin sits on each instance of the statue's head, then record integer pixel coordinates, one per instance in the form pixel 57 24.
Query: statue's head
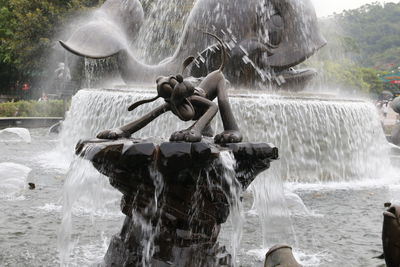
pixel 175 91
pixel 180 105
pixel 292 31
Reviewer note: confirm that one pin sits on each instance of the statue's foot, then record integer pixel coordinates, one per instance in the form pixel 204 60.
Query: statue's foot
pixel 189 135
pixel 112 134
pixel 230 136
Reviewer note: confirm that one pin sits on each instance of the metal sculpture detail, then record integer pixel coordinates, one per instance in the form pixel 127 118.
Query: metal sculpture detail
pixel 265 38
pixel 188 102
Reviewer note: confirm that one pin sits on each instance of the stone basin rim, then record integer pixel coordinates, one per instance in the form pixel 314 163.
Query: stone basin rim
pixel 246 94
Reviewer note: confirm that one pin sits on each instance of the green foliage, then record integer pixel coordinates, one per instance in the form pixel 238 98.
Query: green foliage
pixel 26 31
pixel 347 74
pixel 362 44
pixel 369 35
pixel 51 108
pixel 344 74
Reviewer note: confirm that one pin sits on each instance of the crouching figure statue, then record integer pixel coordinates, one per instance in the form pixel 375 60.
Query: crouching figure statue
pixel 188 102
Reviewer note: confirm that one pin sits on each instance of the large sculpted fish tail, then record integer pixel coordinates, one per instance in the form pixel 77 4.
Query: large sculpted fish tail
pixel 109 31
pixel 223 54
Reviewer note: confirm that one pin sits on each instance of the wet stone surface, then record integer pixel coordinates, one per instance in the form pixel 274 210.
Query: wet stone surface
pixel 175 197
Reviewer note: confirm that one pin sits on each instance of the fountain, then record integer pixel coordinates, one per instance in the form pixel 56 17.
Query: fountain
pixel 167 186
pixel 176 195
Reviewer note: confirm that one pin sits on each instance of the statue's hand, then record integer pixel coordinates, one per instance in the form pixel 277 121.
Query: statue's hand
pixel 189 135
pixel 230 136
pixel 112 134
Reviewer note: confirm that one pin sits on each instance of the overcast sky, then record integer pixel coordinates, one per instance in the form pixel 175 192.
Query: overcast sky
pixel 327 7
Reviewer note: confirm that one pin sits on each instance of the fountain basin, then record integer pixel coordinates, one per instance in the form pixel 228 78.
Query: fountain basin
pixel 175 196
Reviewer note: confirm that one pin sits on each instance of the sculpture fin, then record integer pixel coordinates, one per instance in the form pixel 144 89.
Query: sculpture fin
pixel 96 40
pixel 187 62
pixel 301 36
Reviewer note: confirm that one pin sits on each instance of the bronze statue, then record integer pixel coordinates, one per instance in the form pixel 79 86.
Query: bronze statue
pixel 188 102
pixel 391 236
pixel 395 134
pixel 263 36
pixel 280 255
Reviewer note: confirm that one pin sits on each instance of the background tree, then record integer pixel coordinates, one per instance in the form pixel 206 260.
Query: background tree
pixel 27 29
pixel 363 44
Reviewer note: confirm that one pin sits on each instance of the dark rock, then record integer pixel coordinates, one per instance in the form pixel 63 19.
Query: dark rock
pixel 32 186
pixel 137 155
pixel 177 192
pixel 175 155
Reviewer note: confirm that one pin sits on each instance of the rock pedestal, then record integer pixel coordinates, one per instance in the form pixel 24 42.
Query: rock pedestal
pixel 175 197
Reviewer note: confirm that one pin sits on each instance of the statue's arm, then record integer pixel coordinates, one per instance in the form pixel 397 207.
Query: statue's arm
pixel 128 129
pixel 138 124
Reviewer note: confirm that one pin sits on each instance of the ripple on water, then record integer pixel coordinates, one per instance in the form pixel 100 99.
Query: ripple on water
pixel 13 178
pixel 15 135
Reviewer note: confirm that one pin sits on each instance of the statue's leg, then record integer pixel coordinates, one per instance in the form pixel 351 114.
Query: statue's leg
pixel 215 86
pixel 231 133
pixel 194 132
pixel 132 127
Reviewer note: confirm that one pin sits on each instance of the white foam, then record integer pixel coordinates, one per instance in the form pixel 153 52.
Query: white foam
pixel 392 180
pixel 51 207
pixel 89 254
pixel 12 178
pixel 297 207
pixel 85 192
pixel 56 160
pixel 15 134
pixel 258 254
pixel 236 217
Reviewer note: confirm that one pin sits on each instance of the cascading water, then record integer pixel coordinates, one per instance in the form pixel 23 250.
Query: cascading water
pixel 100 72
pixel 321 140
pixel 157 39
pixel 236 207
pixel 85 191
pixel 12 179
pixel 152 211
pixel 93 110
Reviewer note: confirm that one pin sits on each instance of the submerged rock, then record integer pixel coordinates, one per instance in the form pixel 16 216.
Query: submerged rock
pixel 175 197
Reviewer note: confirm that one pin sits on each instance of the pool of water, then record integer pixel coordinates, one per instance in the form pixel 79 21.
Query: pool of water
pixel 328 224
